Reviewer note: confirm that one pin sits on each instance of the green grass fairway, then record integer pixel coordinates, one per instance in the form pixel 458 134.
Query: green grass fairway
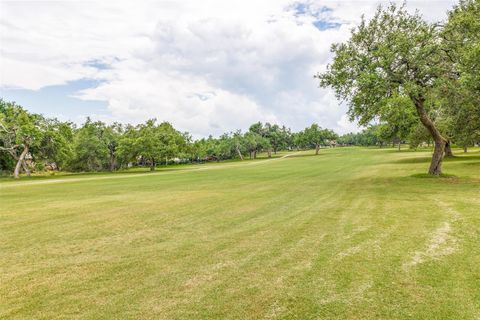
pixel 349 234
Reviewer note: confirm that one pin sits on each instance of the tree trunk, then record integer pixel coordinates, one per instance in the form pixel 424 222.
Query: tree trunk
pixel 255 154
pixel 437 158
pixel 25 168
pixel 152 165
pixel 16 172
pixel 399 145
pixel 439 141
pixel 239 153
pixel 448 149
pixel 465 149
pixel 317 148
pixel 269 151
pixel 112 162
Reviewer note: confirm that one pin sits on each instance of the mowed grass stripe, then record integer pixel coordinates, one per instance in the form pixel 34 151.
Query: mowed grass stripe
pixel 304 237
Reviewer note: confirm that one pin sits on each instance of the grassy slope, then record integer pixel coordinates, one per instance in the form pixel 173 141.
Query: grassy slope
pixel 346 234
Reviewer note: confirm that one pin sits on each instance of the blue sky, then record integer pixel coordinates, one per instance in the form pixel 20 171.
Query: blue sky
pixel 58 101
pixel 208 67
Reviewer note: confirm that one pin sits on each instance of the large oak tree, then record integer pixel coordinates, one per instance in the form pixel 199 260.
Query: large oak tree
pixel 395 54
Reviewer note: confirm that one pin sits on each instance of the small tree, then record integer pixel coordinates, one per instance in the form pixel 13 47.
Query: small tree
pixel 254 143
pixel 112 137
pixel 299 140
pixel 126 151
pixel 317 137
pixel 20 132
pixel 56 145
pixel 151 142
pixel 90 147
pixel 238 143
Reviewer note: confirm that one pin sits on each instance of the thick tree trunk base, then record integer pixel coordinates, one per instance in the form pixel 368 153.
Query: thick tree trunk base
pixel 239 153
pixel 16 172
pixel 113 164
pixel 439 141
pixel 437 158
pixel 26 169
pixel 448 150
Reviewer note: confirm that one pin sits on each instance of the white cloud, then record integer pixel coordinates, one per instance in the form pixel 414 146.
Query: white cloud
pixel 206 66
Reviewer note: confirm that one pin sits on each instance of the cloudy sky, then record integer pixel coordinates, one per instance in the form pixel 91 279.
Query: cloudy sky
pixel 206 66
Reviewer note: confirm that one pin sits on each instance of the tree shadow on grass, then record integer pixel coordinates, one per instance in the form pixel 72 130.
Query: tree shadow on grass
pixel 472 164
pixel 422 180
pixel 304 155
pixel 456 158
pixel 413 160
pixel 411 187
pixel 462 158
pixel 445 176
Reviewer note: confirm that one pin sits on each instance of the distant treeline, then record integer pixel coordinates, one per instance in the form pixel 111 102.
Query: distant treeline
pixel 30 142
pixel 382 135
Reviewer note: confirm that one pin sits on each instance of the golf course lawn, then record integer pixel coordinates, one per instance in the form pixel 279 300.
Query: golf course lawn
pixel 352 233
